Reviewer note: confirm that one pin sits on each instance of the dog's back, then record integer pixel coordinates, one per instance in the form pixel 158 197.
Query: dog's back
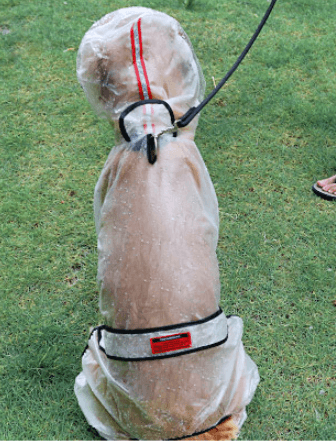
pixel 157 235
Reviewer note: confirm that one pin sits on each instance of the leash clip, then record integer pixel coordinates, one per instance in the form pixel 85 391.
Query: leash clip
pixel 172 129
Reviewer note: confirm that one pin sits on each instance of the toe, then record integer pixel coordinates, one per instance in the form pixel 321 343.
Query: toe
pixel 326 182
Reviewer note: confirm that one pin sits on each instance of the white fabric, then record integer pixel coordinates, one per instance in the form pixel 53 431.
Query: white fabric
pixel 138 345
pixel 157 228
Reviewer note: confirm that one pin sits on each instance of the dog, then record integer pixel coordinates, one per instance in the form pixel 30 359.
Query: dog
pixel 167 363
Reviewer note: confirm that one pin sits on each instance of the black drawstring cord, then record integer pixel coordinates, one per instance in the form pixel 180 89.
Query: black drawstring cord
pixel 190 115
pixel 138 104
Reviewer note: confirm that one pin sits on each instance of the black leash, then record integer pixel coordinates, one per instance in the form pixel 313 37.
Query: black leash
pixel 193 111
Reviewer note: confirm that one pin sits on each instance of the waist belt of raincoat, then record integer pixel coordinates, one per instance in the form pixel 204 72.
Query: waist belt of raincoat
pixel 163 342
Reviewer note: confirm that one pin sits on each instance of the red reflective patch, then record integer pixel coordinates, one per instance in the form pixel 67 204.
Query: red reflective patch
pixel 169 343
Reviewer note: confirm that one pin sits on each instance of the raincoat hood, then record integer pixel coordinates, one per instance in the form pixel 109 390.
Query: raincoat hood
pixel 137 53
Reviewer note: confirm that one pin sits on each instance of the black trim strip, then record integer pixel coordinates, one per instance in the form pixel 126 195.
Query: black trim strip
pixel 161 328
pixel 86 348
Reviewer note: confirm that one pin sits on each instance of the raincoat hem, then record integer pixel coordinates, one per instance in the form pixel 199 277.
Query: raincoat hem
pixel 201 432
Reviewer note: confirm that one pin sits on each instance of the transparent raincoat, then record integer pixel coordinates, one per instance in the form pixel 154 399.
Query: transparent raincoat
pixel 167 363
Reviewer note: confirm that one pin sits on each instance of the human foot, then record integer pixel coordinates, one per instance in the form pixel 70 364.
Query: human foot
pixel 328 184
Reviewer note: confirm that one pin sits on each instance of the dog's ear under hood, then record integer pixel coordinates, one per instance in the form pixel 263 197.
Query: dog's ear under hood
pixel 138 53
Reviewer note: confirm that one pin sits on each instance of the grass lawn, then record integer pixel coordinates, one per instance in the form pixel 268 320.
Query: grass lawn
pixel 266 138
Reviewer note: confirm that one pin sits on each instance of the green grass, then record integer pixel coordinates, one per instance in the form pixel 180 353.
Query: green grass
pixel 266 138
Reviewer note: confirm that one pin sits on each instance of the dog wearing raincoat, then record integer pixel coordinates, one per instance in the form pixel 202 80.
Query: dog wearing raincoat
pixel 167 363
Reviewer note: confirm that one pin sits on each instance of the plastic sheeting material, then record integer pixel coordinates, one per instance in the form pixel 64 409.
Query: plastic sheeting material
pixel 157 229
